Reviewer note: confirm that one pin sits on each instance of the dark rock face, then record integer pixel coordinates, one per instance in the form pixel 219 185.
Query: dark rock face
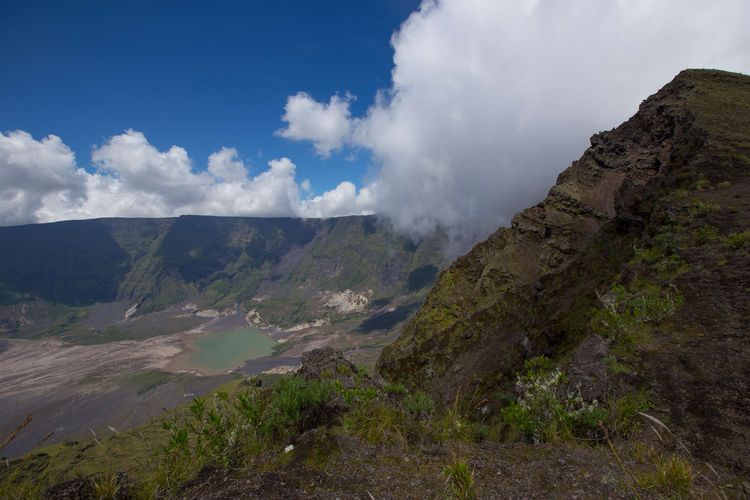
pixel 329 364
pixel 587 369
pixel 499 303
pixel 74 489
pixel 325 363
pixel 84 489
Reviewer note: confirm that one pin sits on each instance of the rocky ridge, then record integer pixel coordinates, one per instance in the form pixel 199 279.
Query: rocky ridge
pixel 657 206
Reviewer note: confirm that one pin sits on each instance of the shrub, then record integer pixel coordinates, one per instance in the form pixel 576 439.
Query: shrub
pixel 537 366
pixel 699 208
pixel 702 184
pixel 357 394
pixel 623 312
pixel 223 430
pixel 541 414
pixel 289 410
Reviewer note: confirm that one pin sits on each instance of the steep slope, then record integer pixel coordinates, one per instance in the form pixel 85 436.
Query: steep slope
pixel 644 241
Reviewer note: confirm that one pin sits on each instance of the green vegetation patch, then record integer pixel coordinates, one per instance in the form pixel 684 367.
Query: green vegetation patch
pixel 147 381
pixel 625 313
pixel 736 241
pixel 543 412
pixel 459 479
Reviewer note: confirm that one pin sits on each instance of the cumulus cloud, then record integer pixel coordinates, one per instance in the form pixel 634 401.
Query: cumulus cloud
pixel 140 167
pixel 327 126
pixel 225 165
pixel 40 182
pixel 345 199
pixel 490 100
pixel 33 171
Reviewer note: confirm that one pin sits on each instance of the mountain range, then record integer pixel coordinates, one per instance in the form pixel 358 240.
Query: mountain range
pixel 98 280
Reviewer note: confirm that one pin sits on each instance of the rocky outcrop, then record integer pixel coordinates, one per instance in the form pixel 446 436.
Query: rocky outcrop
pixel 348 301
pixel 253 318
pixel 328 364
pixel 587 370
pixel 522 292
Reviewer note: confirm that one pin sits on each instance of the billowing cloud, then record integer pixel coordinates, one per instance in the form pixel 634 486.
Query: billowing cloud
pixel 225 165
pixel 327 126
pixel 140 167
pixel 490 100
pixel 33 171
pixel 40 182
pixel 345 199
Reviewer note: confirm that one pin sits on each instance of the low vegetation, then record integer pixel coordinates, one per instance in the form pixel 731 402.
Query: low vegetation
pixel 672 477
pixel 254 421
pixel 548 410
pixel 459 479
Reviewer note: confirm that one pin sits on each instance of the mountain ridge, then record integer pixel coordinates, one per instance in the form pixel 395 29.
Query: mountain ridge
pixel 651 218
pixel 150 265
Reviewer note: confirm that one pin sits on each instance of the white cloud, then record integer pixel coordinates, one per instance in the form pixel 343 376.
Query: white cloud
pixel 33 171
pixel 327 126
pixel 490 100
pixel 344 199
pixel 225 165
pixel 139 167
pixel 40 182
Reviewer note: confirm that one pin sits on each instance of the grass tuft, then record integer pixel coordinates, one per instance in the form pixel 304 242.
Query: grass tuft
pixel 377 422
pixel 459 479
pixel 673 477
pixel 736 241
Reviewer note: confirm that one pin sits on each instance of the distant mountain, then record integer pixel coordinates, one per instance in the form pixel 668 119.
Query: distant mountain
pixel 78 278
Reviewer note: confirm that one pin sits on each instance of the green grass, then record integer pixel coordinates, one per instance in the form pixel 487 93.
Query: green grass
pixel 705 234
pixel 672 477
pixel 459 480
pixel 106 486
pixel 453 425
pixel 623 418
pixel 625 313
pixel 736 241
pixel 397 389
pixel 147 381
pixel 419 403
pixel 377 422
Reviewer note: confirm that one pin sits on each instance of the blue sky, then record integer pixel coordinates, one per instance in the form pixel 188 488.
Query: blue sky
pixel 483 102
pixel 200 75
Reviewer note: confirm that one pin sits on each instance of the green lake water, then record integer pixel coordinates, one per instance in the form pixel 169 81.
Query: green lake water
pixel 219 352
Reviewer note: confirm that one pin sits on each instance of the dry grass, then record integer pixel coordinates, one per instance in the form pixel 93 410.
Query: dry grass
pixel 673 477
